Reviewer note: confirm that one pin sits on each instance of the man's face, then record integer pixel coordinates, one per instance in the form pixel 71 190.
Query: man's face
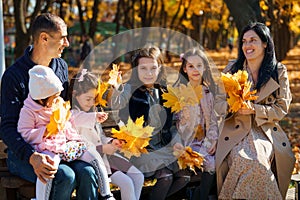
pixel 57 41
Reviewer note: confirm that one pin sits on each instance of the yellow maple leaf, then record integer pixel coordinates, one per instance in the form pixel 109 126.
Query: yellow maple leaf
pixel 189 159
pixel 102 87
pixel 238 89
pixel 184 95
pixel 114 78
pixel 199 133
pixel 136 137
pixel 61 114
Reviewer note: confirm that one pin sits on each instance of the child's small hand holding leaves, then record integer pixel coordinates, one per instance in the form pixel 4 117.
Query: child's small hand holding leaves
pixel 101 117
pixel 117 143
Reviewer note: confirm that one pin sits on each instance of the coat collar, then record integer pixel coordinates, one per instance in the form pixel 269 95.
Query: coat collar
pixel 267 90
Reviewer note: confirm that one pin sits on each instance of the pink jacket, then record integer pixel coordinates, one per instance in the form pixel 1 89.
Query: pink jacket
pixel 32 125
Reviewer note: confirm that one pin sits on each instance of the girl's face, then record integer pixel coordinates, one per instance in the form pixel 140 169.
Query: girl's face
pixel 252 46
pixel 52 100
pixel 194 69
pixel 148 71
pixel 86 100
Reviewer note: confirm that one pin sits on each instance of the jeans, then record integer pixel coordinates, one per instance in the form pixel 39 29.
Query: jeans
pixel 76 174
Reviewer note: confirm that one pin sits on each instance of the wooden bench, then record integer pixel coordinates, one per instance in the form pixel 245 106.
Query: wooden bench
pixel 13 187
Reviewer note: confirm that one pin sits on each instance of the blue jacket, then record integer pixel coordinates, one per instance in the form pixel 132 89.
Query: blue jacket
pixel 14 90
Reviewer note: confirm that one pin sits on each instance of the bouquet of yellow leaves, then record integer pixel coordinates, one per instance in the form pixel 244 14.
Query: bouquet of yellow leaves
pixel 238 89
pixel 61 114
pixel 102 87
pixel 189 159
pixel 184 95
pixel 135 137
pixel 114 78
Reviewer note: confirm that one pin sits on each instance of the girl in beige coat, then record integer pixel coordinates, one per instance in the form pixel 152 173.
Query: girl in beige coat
pixel 254 158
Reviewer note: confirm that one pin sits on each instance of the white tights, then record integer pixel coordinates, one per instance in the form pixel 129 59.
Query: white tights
pixel 130 183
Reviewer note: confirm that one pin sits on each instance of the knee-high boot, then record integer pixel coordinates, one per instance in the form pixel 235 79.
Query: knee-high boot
pixel 207 182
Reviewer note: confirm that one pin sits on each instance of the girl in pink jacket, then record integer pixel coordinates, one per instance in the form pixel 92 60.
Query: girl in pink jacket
pixel 67 144
pixel 197 124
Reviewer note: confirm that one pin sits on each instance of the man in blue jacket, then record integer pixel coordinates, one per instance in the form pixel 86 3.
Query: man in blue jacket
pixel 49 34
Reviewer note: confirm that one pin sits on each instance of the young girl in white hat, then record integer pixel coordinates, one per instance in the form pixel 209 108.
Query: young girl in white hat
pixel 66 144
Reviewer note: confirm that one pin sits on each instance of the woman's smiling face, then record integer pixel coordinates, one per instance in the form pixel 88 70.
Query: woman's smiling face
pixel 253 47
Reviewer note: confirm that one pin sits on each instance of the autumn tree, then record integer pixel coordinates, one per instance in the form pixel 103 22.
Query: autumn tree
pixel 281 17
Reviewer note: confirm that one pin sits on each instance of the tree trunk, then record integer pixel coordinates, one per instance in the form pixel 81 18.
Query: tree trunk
pixel 244 11
pixel 195 33
pixel 22 37
pixel 93 24
pixel 282 38
pixel 80 12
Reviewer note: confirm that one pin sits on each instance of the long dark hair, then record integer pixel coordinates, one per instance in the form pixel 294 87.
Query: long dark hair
pixel 268 66
pixel 207 74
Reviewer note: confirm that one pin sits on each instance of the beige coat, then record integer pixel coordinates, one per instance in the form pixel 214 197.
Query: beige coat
pixel 268 112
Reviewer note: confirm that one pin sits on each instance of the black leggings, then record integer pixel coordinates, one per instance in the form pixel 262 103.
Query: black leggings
pixel 168 183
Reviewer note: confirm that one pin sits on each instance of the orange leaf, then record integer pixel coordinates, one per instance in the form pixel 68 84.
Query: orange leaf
pixel 238 89
pixel 189 159
pixel 114 78
pixel 102 87
pixel 179 97
pixel 61 114
pixel 135 136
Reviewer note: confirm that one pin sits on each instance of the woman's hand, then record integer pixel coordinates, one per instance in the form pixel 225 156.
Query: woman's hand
pixel 247 110
pixel 101 117
pixel 43 166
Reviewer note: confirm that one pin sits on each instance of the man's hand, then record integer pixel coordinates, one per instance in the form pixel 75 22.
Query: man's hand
pixel 43 166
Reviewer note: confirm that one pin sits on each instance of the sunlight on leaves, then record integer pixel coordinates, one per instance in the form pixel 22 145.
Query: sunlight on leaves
pixel 238 89
pixel 179 97
pixel 189 159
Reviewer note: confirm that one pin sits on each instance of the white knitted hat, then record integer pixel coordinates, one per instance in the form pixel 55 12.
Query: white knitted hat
pixel 43 82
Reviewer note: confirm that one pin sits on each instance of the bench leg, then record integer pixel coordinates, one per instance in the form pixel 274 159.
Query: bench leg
pixel 11 194
pixel 297 187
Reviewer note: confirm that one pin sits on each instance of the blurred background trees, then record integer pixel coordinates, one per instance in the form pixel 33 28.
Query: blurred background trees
pixel 210 22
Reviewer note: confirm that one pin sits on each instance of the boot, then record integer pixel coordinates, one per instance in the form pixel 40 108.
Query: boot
pixel 207 182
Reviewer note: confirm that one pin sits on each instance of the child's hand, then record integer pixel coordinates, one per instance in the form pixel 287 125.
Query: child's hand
pixel 178 150
pixel 117 143
pixel 109 149
pixel 101 117
pixel 178 147
pixel 212 148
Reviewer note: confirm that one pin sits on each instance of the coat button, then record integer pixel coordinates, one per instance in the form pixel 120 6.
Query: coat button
pixel 237 126
pixel 269 99
pixel 226 138
pixel 275 129
pixel 284 144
